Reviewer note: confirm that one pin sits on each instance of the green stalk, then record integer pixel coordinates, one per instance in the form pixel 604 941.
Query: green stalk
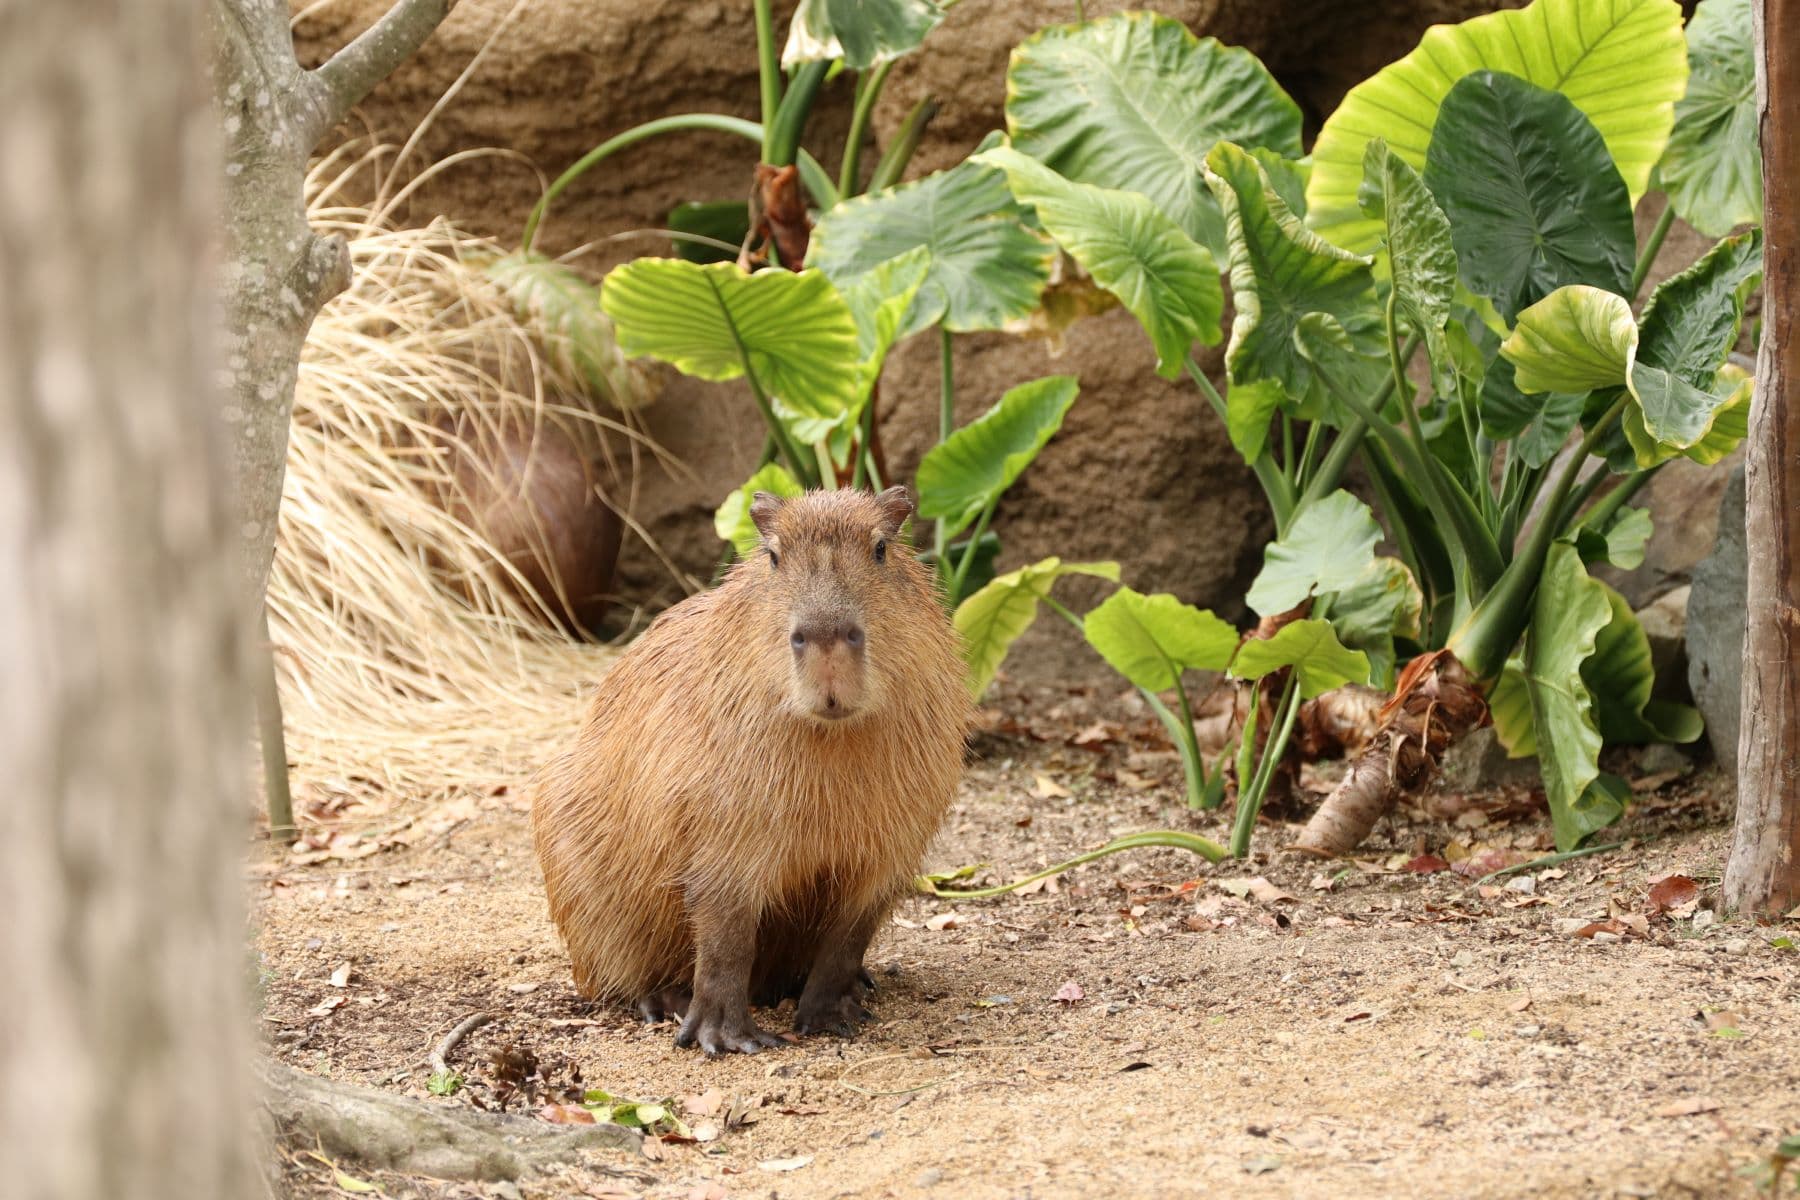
pixel 827 468
pixel 1308 453
pixel 968 555
pixel 946 412
pixel 1614 500
pixel 1488 635
pixel 1192 765
pixel 1652 246
pixel 812 174
pixel 1250 802
pixel 868 90
pixel 865 461
pixel 892 163
pixel 1289 468
pixel 1337 461
pixel 783 140
pixel 1210 850
pixel 1275 486
pixel 768 67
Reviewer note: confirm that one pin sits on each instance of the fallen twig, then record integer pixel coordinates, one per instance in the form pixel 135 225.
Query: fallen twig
pixel 464 1028
pixel 1549 860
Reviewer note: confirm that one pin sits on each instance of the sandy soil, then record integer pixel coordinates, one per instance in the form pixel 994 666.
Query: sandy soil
pixel 1353 1030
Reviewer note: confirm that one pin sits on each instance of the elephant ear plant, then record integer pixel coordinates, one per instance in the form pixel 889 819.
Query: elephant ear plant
pixel 1446 292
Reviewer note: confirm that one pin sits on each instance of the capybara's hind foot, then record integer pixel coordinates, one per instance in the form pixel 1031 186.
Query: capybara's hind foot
pixel 666 1004
pixel 838 1013
pixel 718 1029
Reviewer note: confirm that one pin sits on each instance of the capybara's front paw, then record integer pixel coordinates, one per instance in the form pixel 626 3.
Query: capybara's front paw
pixel 721 1029
pixel 838 1012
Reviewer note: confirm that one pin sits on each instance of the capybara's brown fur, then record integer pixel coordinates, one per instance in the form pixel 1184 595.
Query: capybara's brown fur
pixel 758 778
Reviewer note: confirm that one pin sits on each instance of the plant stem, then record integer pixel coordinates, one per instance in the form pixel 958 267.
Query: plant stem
pixel 1196 773
pixel 816 180
pixel 946 414
pixel 968 555
pixel 1652 246
pixel 1307 454
pixel 865 462
pixel 1614 500
pixel 1337 459
pixel 768 68
pixel 1250 802
pixel 1210 850
pixel 1549 860
pixel 892 163
pixel 1289 467
pixel 827 468
pixel 1275 486
pixel 868 90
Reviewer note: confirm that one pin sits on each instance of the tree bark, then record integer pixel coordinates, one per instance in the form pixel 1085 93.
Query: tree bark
pixel 279 272
pixel 1763 872
pixel 122 964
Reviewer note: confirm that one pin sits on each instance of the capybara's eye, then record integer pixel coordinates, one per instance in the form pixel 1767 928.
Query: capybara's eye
pixel 774 559
pixel 881 550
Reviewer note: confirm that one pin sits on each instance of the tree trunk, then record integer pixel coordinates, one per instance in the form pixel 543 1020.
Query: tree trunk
pixel 122 961
pixel 279 272
pixel 1763 873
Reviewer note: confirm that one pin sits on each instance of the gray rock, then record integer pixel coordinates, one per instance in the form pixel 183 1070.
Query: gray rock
pixel 1477 762
pixel 1715 628
pixel 1665 625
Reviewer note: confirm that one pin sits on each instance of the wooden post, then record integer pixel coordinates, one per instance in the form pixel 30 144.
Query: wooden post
pixel 1763 872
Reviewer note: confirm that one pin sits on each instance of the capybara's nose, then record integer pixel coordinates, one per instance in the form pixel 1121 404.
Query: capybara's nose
pixel 824 635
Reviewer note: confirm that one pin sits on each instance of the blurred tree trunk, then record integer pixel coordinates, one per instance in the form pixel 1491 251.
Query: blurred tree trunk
pixel 123 1026
pixel 279 272
pixel 1763 873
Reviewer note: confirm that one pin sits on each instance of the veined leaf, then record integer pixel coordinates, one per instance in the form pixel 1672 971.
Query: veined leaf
pixel 1327 547
pixel 1712 167
pixel 1136 102
pixel 1620 677
pixel 1691 320
pixel 1384 602
pixel 1166 279
pixel 1619 542
pixel 1537 424
pixel 1417 236
pixel 1576 339
pixel 987 268
pixel 567 308
pixel 1357 366
pixel 1731 422
pixel 1311 647
pixel 879 300
pixel 861 32
pixel 1249 407
pixel 732 520
pixel 706 320
pixel 1569 613
pixel 970 469
pixel 995 617
pixel 1509 704
pixel 1533 200
pixel 1280 271
pixel 1621 62
pixel 1151 640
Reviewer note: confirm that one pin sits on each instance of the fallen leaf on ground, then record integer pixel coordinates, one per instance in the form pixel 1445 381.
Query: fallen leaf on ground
pixel 785 1164
pixel 327 1006
pixel 1724 1023
pixel 341 976
pixel 706 1104
pixel 1691 1107
pixel 944 920
pixel 1426 864
pixel 1069 993
pixel 1519 1005
pixel 707 1191
pixel 566 1114
pixel 1134 781
pixel 1676 895
pixel 1096 735
pixel 1488 860
pixel 1046 788
pixel 705 1131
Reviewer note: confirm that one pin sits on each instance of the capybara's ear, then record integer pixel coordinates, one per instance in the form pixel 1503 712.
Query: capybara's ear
pixel 896 505
pixel 763 507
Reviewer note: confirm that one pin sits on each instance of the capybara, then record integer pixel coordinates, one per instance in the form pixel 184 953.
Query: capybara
pixel 758 778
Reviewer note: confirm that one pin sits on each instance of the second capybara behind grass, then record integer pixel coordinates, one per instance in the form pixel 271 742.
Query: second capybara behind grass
pixel 758 778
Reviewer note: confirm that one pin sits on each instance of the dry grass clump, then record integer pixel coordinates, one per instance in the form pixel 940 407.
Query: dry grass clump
pixel 411 659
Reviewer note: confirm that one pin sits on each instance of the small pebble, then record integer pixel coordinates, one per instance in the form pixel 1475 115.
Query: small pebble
pixel 929 1177
pixel 1523 883
pixel 1737 946
pixel 1605 938
pixel 1463 958
pixel 1528 1031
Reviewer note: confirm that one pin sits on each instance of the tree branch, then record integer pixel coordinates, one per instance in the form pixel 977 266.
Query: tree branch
pixel 353 72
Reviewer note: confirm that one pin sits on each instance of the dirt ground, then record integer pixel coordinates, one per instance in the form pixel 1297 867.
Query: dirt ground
pixel 1338 1030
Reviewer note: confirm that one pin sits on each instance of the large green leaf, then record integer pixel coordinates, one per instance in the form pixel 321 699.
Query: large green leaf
pixel 1166 279
pixel 1620 676
pixel 1620 541
pixel 861 32
pixel 1576 339
pixel 1537 424
pixel 879 301
pixel 1569 613
pixel 1384 602
pixel 732 520
pixel 1280 271
pixel 1135 102
pixel 1249 407
pixel 1533 200
pixel 987 268
pixel 706 320
pixel 1691 320
pixel 1622 62
pixel 1327 547
pixel 992 619
pixel 1712 167
pixel 1151 640
pixel 566 308
pixel 1311 647
pixel 969 470
pixel 1418 239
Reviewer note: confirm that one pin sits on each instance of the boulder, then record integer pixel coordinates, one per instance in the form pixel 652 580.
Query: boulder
pixel 1715 627
pixel 1665 626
